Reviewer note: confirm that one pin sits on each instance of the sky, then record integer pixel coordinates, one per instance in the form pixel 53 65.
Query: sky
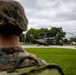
pixel 55 13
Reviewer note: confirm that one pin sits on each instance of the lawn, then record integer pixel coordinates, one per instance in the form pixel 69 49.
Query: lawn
pixel 66 58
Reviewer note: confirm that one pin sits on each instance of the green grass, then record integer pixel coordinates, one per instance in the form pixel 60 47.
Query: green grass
pixel 66 58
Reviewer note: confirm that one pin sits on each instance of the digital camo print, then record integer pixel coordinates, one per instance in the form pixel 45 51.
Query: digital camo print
pixel 10 56
pixel 12 13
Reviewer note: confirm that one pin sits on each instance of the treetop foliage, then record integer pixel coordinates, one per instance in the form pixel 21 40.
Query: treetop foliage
pixel 43 32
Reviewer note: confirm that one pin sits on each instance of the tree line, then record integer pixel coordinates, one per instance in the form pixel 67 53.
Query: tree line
pixel 42 33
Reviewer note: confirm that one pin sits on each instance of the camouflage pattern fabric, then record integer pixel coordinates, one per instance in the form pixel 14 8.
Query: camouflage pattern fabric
pixel 12 13
pixel 10 56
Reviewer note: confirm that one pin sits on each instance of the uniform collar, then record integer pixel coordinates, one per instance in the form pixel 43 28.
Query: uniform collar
pixel 11 49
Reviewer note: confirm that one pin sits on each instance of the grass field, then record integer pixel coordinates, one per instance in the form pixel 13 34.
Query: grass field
pixel 66 58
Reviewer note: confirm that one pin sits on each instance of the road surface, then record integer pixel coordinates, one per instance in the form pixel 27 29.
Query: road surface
pixel 35 46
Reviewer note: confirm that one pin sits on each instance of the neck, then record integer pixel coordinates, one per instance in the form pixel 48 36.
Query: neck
pixel 12 41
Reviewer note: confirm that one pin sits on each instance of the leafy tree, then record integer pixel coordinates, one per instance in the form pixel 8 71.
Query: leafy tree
pixel 66 41
pixel 53 31
pixel 32 34
pixel 22 38
pixel 73 39
pixel 44 32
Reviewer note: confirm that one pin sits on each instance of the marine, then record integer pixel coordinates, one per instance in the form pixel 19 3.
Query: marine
pixel 14 60
pixel 13 22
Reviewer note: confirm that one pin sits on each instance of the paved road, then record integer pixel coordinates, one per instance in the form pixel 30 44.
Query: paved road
pixel 35 46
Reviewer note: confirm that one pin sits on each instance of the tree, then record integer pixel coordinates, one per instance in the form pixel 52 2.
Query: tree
pixel 32 34
pixel 66 41
pixel 57 33
pixel 53 31
pixel 73 39
pixel 44 32
pixel 22 38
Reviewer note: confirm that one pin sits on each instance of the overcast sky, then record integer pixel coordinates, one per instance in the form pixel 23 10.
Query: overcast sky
pixel 46 13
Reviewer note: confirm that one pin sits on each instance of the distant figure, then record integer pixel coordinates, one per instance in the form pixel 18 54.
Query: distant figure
pixel 12 23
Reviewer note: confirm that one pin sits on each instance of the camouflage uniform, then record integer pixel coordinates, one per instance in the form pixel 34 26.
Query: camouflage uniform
pixel 10 56
pixel 12 15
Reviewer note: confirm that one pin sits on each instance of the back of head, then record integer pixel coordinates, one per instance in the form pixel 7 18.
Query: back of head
pixel 13 20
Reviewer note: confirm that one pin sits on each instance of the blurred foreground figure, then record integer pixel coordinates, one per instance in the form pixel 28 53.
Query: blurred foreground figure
pixel 13 22
pixel 13 59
